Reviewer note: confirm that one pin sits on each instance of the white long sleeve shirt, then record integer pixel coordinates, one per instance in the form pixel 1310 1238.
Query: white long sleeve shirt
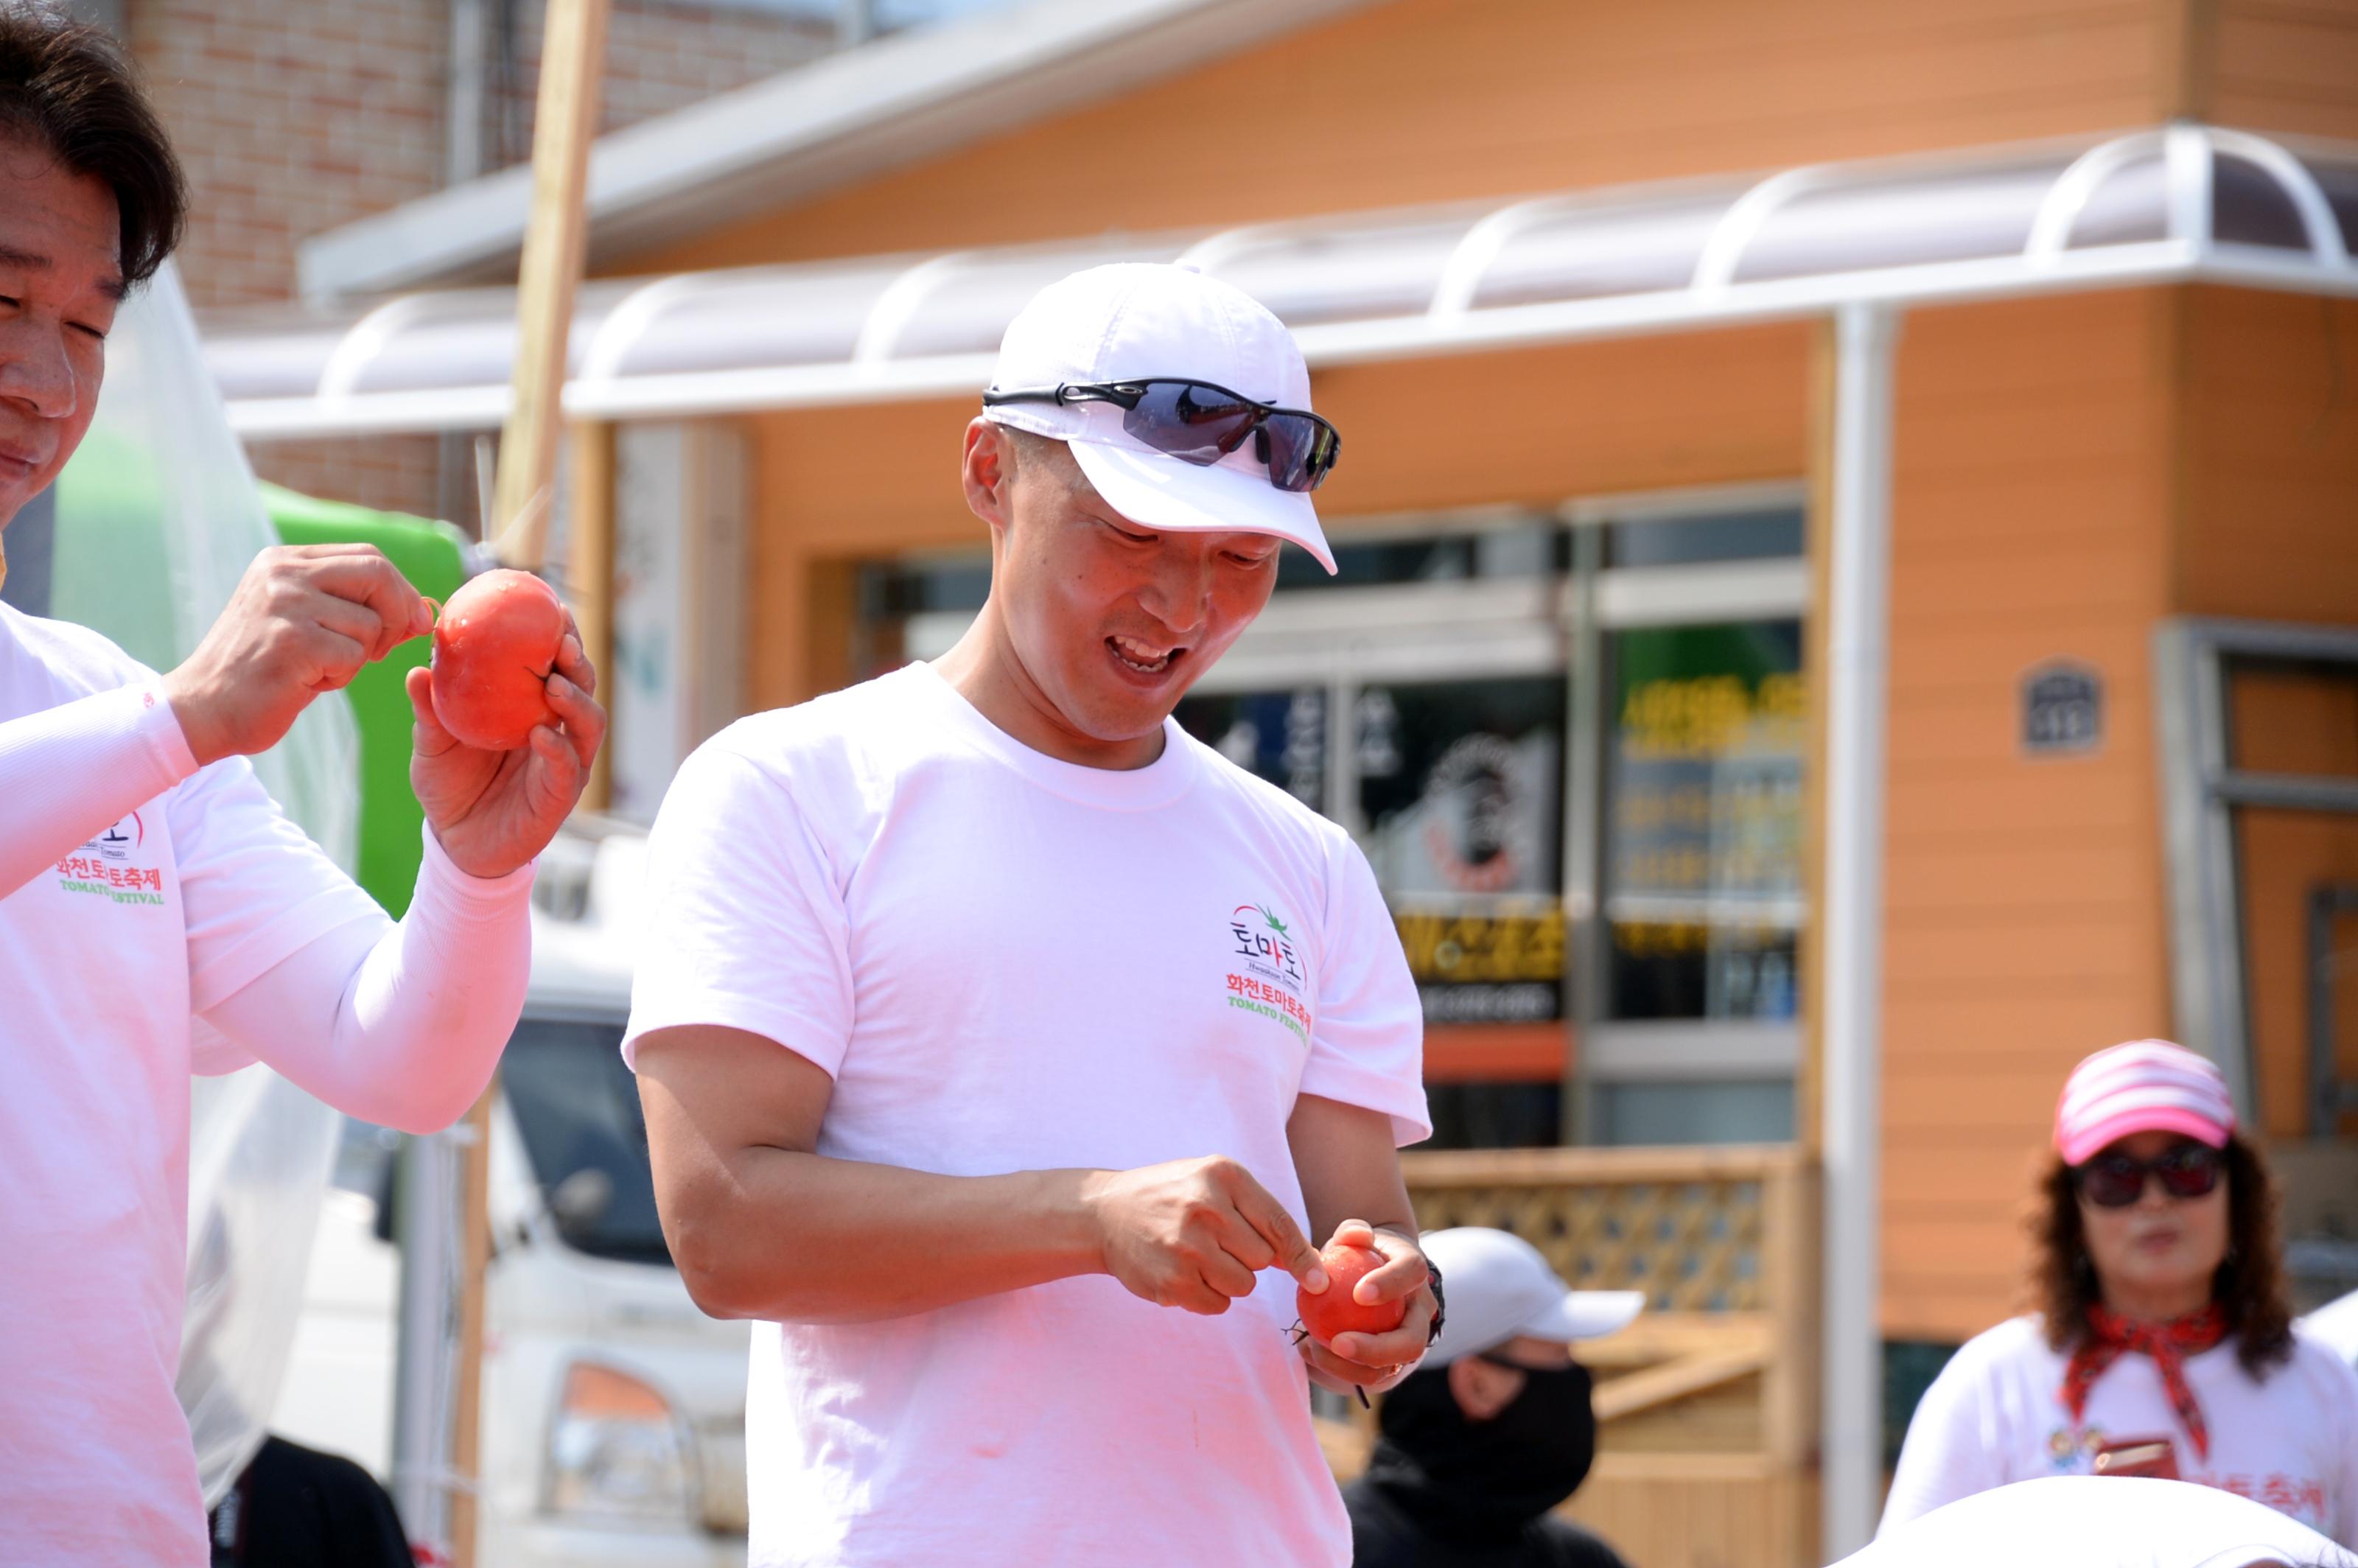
pixel 139 892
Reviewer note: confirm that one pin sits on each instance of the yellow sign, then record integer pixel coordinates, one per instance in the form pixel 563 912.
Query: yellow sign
pixel 1463 949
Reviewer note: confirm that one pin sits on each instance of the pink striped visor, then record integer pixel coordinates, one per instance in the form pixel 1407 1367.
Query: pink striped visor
pixel 2145 1085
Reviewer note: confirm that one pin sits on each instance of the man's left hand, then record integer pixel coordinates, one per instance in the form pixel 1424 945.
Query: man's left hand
pixel 1377 1362
pixel 494 811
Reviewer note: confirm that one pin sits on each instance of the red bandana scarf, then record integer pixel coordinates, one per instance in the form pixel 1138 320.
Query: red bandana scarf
pixel 2169 1343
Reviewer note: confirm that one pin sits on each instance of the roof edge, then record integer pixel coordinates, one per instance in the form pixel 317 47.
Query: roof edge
pixel 828 124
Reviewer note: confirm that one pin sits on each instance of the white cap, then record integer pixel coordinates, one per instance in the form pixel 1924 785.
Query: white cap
pixel 1130 321
pixel 1498 1287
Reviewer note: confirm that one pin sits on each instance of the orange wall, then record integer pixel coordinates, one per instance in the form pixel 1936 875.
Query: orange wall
pixel 2269 529
pixel 1437 100
pixel 2269 408
pixel 2282 65
pixel 2024 921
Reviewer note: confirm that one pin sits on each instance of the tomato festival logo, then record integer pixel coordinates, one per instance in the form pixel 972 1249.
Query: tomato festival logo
pixel 104 866
pixel 1272 984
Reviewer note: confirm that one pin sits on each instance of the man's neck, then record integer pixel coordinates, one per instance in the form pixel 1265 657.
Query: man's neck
pixel 984 669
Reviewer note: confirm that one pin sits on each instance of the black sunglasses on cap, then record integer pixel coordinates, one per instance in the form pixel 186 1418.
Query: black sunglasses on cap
pixel 1200 423
pixel 2186 1170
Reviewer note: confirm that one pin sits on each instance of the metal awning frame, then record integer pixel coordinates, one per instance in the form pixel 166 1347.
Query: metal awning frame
pixel 1715 297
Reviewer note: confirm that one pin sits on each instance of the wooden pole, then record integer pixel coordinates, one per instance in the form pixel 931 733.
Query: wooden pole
pixel 572 54
pixel 572 60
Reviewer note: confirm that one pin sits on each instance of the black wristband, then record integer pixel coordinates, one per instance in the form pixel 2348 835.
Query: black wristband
pixel 1440 1302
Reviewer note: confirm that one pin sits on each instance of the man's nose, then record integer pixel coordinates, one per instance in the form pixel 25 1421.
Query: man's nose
pixel 1181 595
pixel 36 371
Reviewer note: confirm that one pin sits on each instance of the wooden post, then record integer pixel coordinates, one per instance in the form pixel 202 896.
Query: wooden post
pixel 572 56
pixel 572 60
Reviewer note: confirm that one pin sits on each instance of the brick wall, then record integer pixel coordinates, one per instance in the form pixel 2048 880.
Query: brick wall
pixel 292 116
pixel 295 116
pixel 660 56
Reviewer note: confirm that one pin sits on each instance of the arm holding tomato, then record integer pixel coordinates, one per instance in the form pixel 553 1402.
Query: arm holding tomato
pixel 763 1226
pixel 1349 1170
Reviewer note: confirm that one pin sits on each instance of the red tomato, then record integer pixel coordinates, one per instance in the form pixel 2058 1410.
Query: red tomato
pixel 1334 1312
pixel 493 647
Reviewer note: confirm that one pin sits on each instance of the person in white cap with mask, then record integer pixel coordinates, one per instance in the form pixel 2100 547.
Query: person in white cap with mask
pixel 2164 1345
pixel 1003 1047
pixel 1495 1428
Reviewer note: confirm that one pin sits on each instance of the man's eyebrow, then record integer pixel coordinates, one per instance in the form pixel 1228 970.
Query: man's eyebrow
pixel 112 284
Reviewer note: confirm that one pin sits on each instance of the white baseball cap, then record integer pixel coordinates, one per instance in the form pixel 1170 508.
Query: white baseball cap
pixel 1132 320
pixel 1498 1288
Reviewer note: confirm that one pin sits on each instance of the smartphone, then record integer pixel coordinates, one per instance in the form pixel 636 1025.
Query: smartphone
pixel 2154 1458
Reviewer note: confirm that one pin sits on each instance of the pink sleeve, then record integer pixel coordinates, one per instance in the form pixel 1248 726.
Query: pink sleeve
pixel 397 1024
pixel 68 771
pixel 1367 1039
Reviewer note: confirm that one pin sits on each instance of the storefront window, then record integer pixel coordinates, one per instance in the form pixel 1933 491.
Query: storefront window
pixel 1280 736
pixel 1702 892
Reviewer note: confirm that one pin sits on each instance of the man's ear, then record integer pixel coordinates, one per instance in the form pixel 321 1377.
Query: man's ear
pixel 988 470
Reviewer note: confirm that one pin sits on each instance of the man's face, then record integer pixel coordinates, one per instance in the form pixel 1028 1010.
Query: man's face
pixel 1112 621
pixel 59 287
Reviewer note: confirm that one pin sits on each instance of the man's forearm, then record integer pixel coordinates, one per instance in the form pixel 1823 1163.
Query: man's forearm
pixel 69 773
pixel 398 1024
pixel 797 1237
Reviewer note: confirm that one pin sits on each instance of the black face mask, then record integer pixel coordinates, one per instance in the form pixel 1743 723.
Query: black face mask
pixel 1483 1479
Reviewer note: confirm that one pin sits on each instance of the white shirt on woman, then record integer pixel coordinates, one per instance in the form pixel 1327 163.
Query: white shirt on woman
pixel 1008 962
pixel 1995 1415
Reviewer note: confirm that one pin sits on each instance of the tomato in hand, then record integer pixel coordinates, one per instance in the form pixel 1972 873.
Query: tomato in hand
pixel 1332 1311
pixel 493 647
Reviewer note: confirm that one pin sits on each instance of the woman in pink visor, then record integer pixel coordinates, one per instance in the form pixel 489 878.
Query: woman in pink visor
pixel 2163 1344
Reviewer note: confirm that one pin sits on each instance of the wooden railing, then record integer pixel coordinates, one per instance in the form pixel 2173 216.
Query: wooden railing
pixel 1707 1403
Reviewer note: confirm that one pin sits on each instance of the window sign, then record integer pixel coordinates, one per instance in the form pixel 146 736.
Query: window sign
pixel 1704 827
pixel 1461 801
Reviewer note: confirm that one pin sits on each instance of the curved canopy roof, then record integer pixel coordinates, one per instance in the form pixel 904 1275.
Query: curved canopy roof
pixel 2181 203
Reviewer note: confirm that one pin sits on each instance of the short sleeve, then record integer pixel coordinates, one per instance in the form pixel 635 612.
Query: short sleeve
pixel 1952 1445
pixel 1367 1038
pixel 745 921
pixel 253 888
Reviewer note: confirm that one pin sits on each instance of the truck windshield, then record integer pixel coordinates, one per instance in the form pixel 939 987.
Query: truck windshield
pixel 578 1107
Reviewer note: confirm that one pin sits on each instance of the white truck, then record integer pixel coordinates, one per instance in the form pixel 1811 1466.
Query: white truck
pixel 612 1410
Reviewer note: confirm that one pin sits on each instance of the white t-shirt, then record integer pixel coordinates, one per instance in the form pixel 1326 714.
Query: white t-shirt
pixel 1995 1415
pixel 1008 962
pixel 199 899
pixel 2100 1521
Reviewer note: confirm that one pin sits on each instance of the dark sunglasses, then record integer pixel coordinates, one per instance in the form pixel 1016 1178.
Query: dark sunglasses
pixel 1199 423
pixel 2117 1181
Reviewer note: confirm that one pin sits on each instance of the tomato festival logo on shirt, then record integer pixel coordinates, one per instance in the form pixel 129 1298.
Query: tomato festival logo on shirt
pixel 106 866
pixel 1271 983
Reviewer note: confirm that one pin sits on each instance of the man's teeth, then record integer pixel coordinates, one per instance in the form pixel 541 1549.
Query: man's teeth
pixel 1139 657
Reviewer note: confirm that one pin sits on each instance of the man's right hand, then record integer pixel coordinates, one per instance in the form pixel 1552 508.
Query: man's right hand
pixel 304 619
pixel 1196 1233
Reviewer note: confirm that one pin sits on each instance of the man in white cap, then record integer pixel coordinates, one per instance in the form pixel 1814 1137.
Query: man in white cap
pixel 1495 1428
pixel 984 1017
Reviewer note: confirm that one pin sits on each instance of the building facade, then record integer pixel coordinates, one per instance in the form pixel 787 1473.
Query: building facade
pixel 1565 690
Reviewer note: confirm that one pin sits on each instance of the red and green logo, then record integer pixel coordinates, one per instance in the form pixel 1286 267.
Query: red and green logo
pixel 1272 980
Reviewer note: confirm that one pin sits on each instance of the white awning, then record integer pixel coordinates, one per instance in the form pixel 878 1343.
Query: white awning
pixel 2179 204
